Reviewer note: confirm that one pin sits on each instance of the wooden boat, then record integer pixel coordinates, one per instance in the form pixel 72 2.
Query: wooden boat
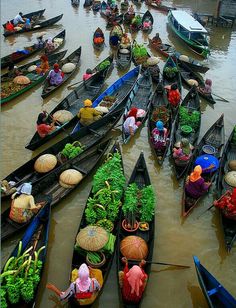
pixel 98 34
pixel 116 31
pixel 139 60
pixel 116 94
pixel 159 101
pixel 160 7
pixel 124 57
pixel 79 258
pixel 128 17
pixel 36 26
pixel 87 136
pixel 190 31
pixel 114 20
pixel 215 294
pixel 215 136
pixel 26 52
pixel 147 17
pixel 103 9
pixel 36 14
pixel 140 176
pixel 88 3
pixel 139 98
pixel 36 237
pixel 96 5
pixel 228 225
pixel 192 103
pixel 168 80
pixel 168 50
pixel 186 74
pixel 74 58
pixel 33 76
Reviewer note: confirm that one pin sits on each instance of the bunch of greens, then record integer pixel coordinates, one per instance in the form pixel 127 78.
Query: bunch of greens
pixel 21 276
pixel 105 224
pixel 104 65
pixel 147 204
pixel 234 136
pixel 161 113
pixel 71 151
pixel 189 118
pixel 139 51
pixel 170 71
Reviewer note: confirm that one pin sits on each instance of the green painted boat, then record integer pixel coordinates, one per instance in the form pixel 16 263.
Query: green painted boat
pixel 190 31
pixel 6 81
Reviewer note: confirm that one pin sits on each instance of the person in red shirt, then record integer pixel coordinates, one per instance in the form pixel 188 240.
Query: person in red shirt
pixel 227 203
pixel 133 282
pixel 9 26
pixel 43 127
pixel 173 95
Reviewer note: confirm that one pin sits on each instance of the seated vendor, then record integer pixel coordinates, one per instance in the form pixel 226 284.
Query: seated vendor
pixel 87 115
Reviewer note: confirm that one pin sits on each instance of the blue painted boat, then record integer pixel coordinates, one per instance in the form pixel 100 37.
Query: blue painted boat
pixel 216 295
pixel 36 237
pixel 119 91
pixel 140 98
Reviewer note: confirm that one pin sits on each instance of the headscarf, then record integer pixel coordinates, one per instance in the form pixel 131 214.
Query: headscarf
pixel 41 118
pixel 89 71
pixel 49 41
pixel 135 277
pixel 196 174
pixel 185 145
pixel 160 125
pixel 132 113
pixel 208 82
pixel 56 67
pixel 88 103
pixel 25 188
pixel 27 22
pixel 174 86
pixel 83 282
pixel 44 58
pixel 233 196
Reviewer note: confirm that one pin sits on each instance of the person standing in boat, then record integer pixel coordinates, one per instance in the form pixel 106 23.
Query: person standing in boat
pixel 132 282
pixel 82 288
pixel 23 206
pixel 173 95
pixel 131 124
pixel 195 185
pixel 87 115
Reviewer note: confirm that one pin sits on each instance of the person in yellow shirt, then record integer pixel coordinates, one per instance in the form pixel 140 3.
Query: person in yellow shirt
pixel 87 115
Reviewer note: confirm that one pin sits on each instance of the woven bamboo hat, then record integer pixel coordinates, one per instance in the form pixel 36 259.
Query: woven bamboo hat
pixel 232 165
pixel 134 247
pixel 230 178
pixel 92 238
pixel 45 163
pixel 21 80
pixel 70 178
pixel 63 116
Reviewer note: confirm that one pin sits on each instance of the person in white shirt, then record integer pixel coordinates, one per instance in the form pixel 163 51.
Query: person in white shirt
pixel 19 19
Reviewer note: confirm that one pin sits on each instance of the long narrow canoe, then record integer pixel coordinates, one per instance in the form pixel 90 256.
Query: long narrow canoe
pixel 36 236
pixel 124 57
pixel 140 176
pixel 88 89
pixel 186 74
pixel 176 79
pixel 35 14
pixel 79 258
pixel 216 295
pixel 87 136
pixel 7 94
pixel 228 225
pixel 192 103
pixel 98 33
pixel 74 58
pixel 147 16
pixel 164 49
pixel 139 98
pixel 26 52
pixel 215 136
pixel 36 26
pixel 160 7
pixel 159 101
pixel 118 91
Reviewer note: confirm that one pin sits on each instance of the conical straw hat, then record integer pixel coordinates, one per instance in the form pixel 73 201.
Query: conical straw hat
pixel 92 238
pixel 230 178
pixel 134 247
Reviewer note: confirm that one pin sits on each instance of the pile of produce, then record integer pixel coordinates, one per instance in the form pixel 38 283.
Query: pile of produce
pixel 161 114
pixel 104 65
pixel 140 53
pixel 170 71
pixel 20 277
pixel 136 21
pixel 10 88
pixel 234 136
pixel 108 186
pixel 140 202
pixel 108 101
pixel 71 150
pixel 191 119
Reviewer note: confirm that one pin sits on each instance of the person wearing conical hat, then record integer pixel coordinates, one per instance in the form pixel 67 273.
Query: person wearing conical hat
pixel 87 115
pixel 195 185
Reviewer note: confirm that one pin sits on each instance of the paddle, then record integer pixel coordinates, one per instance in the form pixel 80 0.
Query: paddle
pixel 161 263
pixel 68 88
pixel 220 97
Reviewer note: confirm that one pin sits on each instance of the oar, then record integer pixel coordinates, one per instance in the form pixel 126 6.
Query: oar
pixel 161 263
pixel 74 84
pixel 220 97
